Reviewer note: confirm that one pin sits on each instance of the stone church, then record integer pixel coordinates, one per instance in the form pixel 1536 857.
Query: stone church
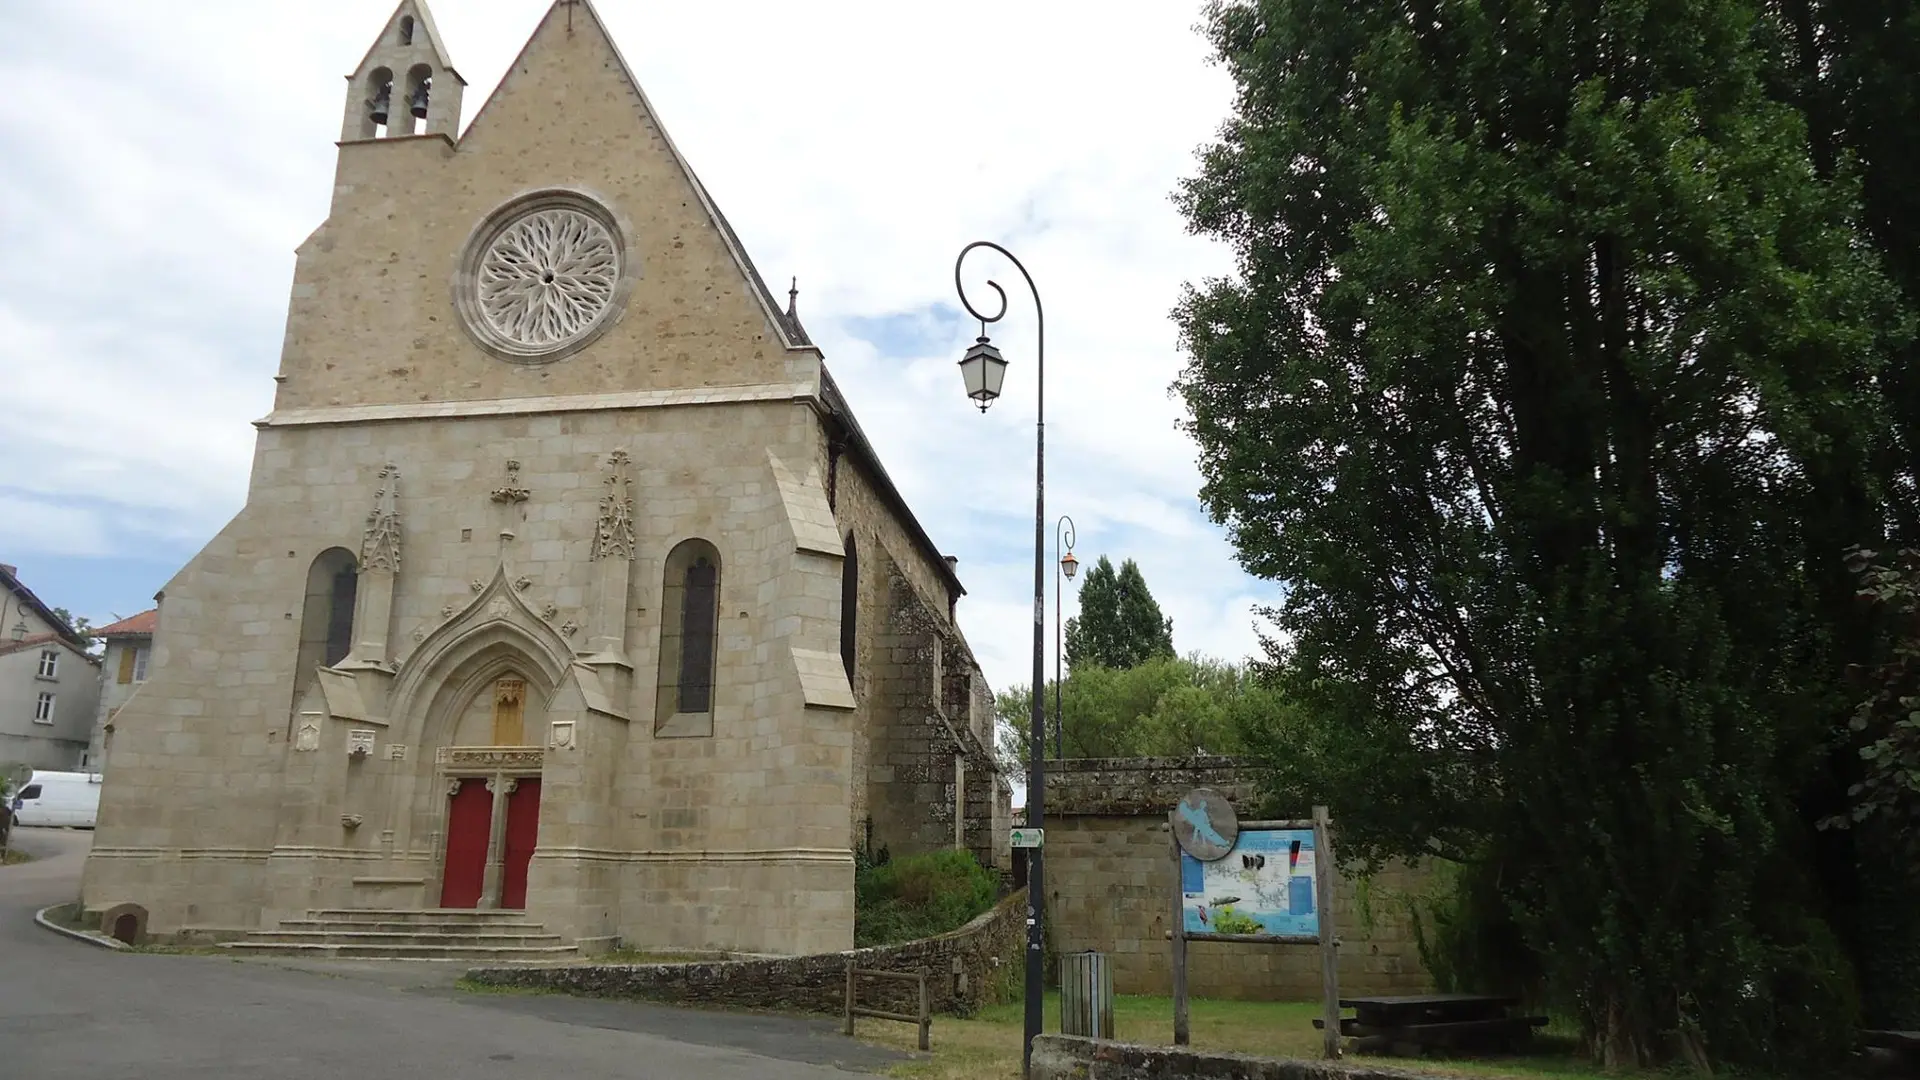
pixel 567 585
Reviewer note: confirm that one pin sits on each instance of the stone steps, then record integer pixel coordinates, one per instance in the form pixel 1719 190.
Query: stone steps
pixel 416 915
pixel 407 935
pixel 426 934
pixel 469 953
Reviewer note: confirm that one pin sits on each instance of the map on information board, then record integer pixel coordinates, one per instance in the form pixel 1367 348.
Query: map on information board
pixel 1263 886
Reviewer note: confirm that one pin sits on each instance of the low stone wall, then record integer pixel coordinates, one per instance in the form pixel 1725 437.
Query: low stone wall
pixel 1069 1057
pixel 1110 880
pixel 965 969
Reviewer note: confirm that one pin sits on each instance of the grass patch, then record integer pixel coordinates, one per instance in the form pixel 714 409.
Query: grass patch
pixel 14 857
pixel 987 1046
pixel 919 896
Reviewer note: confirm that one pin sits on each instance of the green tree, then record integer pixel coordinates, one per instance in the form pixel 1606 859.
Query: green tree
pixel 1166 706
pixel 1547 345
pixel 1119 624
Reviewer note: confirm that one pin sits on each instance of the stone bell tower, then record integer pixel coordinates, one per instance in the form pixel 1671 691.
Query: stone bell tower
pixel 405 85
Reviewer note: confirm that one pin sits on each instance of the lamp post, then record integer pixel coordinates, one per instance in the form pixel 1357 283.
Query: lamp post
pixel 1062 537
pixel 985 371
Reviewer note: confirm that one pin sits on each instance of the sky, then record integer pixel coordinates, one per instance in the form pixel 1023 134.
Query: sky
pixel 159 163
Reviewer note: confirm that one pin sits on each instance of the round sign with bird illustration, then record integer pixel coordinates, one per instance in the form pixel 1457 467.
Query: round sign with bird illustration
pixel 1204 824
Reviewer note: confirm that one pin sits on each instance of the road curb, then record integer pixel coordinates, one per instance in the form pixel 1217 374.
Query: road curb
pixel 81 935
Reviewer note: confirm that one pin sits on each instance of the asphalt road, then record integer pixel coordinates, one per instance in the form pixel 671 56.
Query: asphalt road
pixel 72 1011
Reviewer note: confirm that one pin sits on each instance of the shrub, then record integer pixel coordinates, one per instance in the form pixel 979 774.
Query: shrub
pixel 919 896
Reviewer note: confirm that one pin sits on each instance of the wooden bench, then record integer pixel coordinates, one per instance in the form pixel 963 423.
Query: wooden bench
pixel 1411 1024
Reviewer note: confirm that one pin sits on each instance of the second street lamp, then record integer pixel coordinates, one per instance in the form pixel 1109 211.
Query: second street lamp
pixel 984 370
pixel 1062 537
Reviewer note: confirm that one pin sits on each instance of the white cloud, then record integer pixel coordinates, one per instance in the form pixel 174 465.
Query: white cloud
pixel 160 162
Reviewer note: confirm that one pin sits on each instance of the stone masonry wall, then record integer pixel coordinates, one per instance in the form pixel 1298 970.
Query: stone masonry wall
pixel 965 969
pixel 918 694
pixel 1110 888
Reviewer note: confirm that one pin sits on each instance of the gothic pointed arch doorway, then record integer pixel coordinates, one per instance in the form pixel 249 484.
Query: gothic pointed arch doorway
pixel 492 769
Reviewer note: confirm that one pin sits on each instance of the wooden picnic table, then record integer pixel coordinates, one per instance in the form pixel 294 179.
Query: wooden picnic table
pixel 1413 1023
pixel 1902 1046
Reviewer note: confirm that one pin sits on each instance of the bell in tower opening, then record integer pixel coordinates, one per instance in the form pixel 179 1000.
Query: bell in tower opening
pixel 382 97
pixel 418 103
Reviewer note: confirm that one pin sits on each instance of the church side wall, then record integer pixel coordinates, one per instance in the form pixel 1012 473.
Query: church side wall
pixel 918 693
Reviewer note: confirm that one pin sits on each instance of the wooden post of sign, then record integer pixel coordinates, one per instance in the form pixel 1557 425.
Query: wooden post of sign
pixel 1323 885
pixel 1178 931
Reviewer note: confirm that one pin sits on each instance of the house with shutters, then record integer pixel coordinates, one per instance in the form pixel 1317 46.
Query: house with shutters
pixel 123 669
pixel 49 686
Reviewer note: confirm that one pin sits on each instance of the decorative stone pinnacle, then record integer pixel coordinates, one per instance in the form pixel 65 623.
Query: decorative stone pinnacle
pixel 613 533
pixel 380 541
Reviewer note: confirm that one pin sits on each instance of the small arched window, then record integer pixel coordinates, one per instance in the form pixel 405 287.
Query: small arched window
pixel 326 614
pixel 406 30
pixel 849 606
pixel 689 637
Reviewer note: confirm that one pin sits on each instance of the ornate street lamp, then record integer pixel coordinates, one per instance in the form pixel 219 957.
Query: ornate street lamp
pixel 983 367
pixel 984 370
pixel 1062 537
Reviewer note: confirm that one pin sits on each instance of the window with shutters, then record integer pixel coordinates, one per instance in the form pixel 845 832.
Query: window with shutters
pixel 140 664
pixel 689 641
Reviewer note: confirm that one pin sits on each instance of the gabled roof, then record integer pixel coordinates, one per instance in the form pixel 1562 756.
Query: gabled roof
pixel 8 646
pixel 423 23
pixel 792 335
pixel 10 580
pixel 141 625
pixel 836 404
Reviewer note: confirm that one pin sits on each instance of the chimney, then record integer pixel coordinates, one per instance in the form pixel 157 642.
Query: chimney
pixel 14 571
pixel 953 563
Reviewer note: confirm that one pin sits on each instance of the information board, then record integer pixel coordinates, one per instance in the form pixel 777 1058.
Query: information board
pixel 1264 886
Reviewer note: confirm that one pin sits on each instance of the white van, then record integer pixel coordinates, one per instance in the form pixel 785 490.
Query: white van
pixel 58 798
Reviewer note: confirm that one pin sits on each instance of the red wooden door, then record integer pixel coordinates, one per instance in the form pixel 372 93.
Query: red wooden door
pixel 469 821
pixel 523 832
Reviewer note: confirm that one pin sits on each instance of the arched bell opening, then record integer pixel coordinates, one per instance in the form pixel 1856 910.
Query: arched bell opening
pixel 379 91
pixel 413 117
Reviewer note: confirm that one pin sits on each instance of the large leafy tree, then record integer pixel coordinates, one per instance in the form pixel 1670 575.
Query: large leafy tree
pixel 1549 377
pixel 1120 624
pixel 1166 706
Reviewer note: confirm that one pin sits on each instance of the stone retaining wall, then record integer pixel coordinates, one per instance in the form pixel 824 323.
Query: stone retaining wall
pixel 965 969
pixel 1069 1057
pixel 1110 879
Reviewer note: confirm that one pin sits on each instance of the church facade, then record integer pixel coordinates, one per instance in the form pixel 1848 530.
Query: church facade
pixel 566 581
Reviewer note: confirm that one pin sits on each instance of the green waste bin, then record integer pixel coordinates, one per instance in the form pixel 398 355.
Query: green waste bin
pixel 1086 995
